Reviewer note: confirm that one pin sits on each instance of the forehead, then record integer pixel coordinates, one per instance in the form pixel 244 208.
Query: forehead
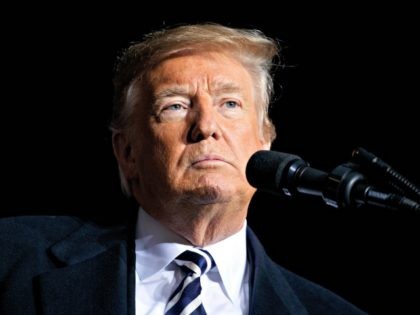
pixel 211 70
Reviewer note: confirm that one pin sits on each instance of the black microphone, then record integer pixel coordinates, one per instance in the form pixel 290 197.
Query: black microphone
pixel 284 173
pixel 288 174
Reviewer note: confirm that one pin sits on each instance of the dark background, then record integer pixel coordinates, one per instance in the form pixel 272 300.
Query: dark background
pixel 351 80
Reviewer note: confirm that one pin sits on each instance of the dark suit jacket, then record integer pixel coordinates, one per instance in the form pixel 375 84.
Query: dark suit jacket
pixel 67 265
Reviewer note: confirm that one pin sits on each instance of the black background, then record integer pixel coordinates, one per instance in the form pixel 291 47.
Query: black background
pixel 351 80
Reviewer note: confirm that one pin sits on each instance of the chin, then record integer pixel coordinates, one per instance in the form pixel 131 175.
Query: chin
pixel 209 195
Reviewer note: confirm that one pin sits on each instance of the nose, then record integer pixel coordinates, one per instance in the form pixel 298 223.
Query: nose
pixel 205 124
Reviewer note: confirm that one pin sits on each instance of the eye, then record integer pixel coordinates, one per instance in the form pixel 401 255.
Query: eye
pixel 174 107
pixel 231 104
pixel 231 108
pixel 173 111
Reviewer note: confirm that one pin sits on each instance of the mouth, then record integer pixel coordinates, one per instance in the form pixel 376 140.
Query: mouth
pixel 208 160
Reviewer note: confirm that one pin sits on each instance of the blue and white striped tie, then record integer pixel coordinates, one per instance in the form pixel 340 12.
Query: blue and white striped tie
pixel 186 299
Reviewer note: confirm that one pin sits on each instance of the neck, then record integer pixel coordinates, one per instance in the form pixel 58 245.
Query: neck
pixel 202 225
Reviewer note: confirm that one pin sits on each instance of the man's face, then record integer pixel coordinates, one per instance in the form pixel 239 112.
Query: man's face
pixel 195 127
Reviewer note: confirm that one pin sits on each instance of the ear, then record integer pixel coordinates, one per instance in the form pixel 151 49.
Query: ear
pixel 265 144
pixel 123 152
pixel 268 134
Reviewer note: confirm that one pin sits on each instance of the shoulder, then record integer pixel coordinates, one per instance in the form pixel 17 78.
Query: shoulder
pixel 24 241
pixel 32 246
pixel 25 237
pixel 34 243
pixel 320 299
pixel 290 289
pixel 31 233
pixel 29 229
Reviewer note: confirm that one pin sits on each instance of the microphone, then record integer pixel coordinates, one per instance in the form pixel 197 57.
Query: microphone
pixel 287 174
pixel 284 173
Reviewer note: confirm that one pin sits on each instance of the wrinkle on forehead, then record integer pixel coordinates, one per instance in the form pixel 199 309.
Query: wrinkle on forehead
pixel 217 87
pixel 201 74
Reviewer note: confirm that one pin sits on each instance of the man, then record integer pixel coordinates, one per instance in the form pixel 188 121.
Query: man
pixel 191 107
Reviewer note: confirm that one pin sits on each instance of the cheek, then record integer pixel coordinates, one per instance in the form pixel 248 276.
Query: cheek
pixel 248 135
pixel 158 164
pixel 246 142
pixel 166 145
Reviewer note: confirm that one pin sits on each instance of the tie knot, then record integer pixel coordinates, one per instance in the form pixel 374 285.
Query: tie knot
pixel 197 262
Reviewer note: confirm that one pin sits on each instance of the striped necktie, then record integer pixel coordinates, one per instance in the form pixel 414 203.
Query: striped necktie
pixel 186 299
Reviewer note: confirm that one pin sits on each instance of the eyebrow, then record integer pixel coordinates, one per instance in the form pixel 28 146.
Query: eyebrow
pixel 226 87
pixel 217 88
pixel 171 91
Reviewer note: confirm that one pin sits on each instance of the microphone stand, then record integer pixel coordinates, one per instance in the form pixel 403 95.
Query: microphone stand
pixel 346 186
pixel 378 168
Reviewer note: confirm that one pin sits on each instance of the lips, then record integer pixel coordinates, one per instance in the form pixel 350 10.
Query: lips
pixel 208 158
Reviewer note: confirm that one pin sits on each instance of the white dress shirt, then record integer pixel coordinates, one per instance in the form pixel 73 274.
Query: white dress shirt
pixel 225 289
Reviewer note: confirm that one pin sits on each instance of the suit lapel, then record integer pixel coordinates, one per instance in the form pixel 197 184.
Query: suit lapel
pixel 270 291
pixel 96 274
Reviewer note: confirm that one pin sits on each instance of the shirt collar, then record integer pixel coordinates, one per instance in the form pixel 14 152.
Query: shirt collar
pixel 159 246
pixel 155 244
pixel 230 258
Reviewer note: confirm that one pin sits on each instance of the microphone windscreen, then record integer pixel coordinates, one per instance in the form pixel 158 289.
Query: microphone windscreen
pixel 266 168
